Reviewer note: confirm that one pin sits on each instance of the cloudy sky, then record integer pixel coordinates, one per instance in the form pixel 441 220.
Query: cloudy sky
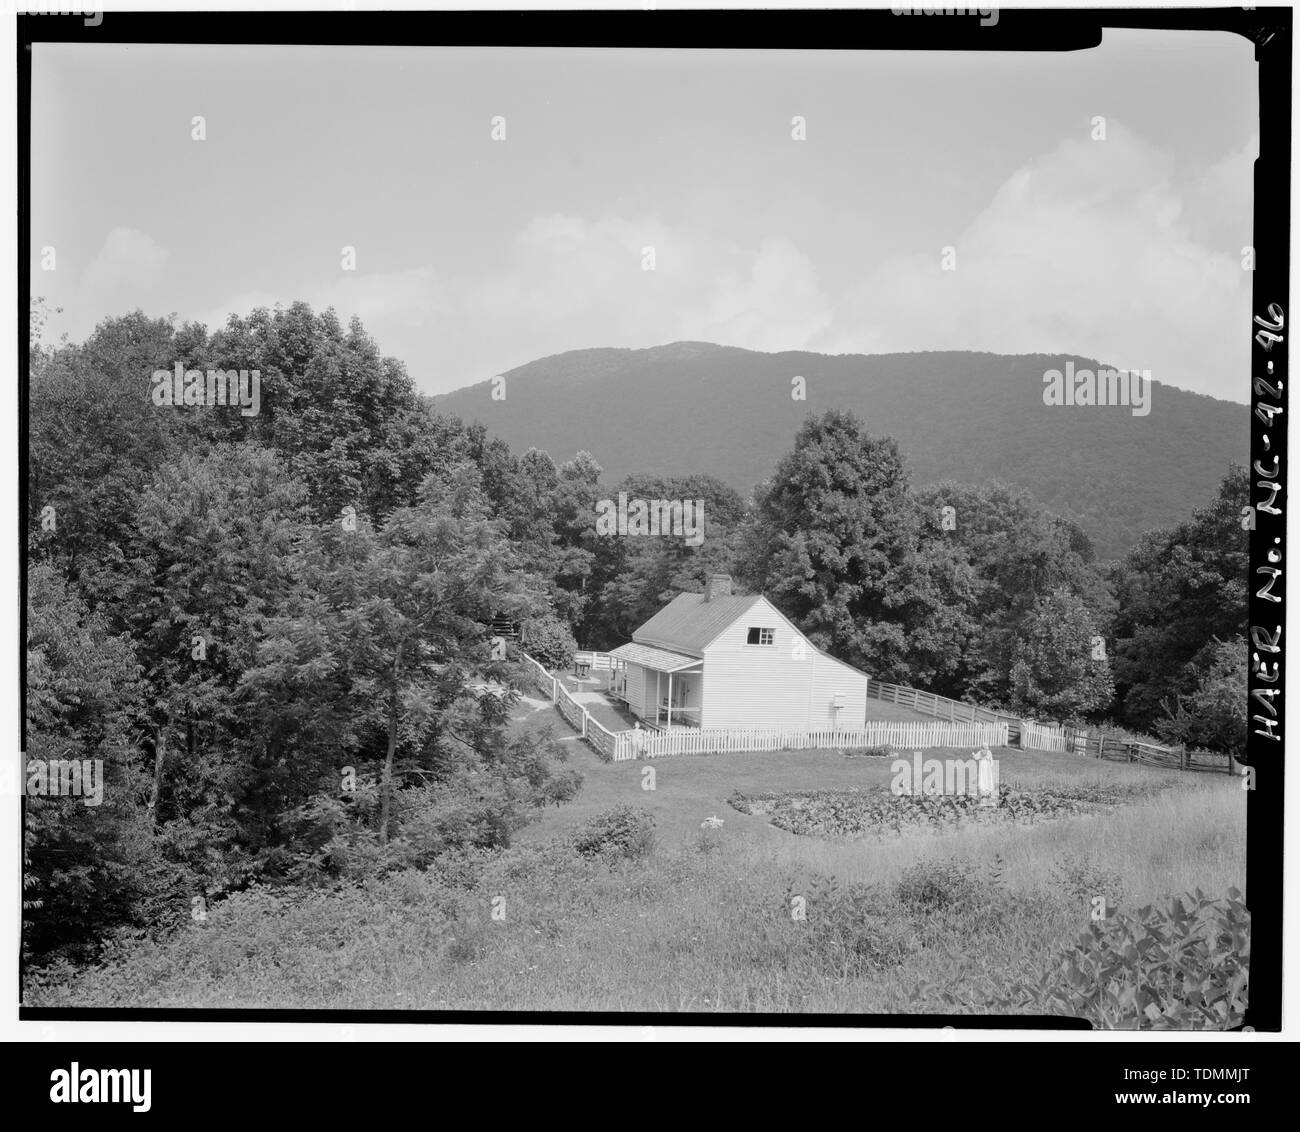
pixel 475 255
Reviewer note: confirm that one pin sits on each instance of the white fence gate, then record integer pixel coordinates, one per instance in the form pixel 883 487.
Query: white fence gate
pixel 1040 737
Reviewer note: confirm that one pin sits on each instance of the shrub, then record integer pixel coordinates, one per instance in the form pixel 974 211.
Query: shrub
pixel 940 886
pixel 1185 968
pixel 879 751
pixel 1084 880
pixel 463 867
pixel 623 831
pixel 708 841
pixel 553 866
pixel 548 640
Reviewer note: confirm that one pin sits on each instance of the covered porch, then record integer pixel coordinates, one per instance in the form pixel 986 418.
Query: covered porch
pixel 661 687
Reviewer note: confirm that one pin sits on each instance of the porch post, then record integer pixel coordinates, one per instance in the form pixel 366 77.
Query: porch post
pixel 670 701
pixel 657 675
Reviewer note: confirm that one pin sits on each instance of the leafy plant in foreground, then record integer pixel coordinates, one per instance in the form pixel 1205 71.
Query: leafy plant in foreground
pixel 1186 967
pixel 622 831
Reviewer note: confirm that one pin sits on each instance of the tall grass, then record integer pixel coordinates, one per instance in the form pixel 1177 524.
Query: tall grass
pixel 724 922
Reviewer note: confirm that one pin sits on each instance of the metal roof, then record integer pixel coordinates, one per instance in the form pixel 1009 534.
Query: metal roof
pixel 659 659
pixel 688 622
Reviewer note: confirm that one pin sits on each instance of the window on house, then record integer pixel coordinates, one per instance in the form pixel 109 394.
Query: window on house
pixel 761 637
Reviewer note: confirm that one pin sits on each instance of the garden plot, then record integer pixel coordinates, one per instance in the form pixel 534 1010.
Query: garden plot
pixel 857 813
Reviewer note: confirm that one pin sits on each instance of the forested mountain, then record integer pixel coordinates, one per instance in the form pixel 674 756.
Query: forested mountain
pixel 693 407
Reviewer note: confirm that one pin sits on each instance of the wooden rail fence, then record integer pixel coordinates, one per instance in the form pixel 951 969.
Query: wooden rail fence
pixel 1099 745
pixel 1051 737
pixel 927 703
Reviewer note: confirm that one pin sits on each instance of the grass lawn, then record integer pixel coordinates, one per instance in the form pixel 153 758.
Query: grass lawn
pixel 690 788
pixel 880 710
pixel 1135 839
pixel 1147 843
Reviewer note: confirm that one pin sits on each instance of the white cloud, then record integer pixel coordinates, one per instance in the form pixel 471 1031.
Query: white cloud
pixel 215 318
pixel 567 282
pixel 128 271
pixel 1219 203
pixel 772 303
pixel 129 260
pixel 1090 248
pixel 411 298
pixel 386 302
pixel 1085 250
pixel 571 282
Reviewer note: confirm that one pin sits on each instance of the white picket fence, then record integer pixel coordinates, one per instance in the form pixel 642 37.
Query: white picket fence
pixel 1041 737
pixel 595 661
pixel 645 744
pixel 603 739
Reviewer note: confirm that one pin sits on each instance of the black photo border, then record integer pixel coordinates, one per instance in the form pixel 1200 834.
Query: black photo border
pixel 1268 28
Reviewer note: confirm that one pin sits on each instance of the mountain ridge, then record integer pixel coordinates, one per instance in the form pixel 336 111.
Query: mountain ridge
pixel 691 407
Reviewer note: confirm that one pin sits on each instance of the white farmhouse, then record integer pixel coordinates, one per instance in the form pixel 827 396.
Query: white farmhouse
pixel 721 660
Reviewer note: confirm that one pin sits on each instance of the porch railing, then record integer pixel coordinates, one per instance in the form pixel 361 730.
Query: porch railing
pixel 680 716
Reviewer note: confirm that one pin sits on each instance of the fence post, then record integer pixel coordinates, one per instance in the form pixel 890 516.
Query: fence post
pixel 584 723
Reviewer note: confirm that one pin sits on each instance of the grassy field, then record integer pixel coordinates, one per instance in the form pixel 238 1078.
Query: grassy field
pixel 704 920
pixel 1192 834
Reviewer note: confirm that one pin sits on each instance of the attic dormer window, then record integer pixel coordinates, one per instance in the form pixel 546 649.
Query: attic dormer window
pixel 761 637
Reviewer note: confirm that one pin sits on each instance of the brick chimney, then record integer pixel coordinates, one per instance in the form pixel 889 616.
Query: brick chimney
pixel 718 585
